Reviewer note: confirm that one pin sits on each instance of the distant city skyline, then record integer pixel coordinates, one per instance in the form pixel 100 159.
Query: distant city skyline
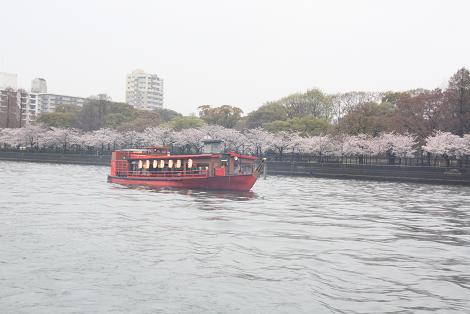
pixel 240 53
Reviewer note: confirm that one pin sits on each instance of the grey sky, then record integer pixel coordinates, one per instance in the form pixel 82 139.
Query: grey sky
pixel 240 53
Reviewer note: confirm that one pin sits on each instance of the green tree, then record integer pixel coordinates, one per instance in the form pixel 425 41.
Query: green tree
pixel 420 114
pixel 313 102
pixel 277 126
pixel 458 102
pixel 119 114
pixel 306 126
pixel 141 120
pixel 226 116
pixel 65 116
pixel 267 113
pixel 368 118
pixel 345 102
pixel 91 116
pixel 185 122
pixel 167 115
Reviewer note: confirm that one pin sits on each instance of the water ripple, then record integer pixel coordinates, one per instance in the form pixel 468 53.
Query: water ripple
pixel 72 243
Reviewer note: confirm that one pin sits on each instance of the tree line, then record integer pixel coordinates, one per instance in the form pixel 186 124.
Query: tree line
pixel 425 122
pixel 420 112
pixel 392 146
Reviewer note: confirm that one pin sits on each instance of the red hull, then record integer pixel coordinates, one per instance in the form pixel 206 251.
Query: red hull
pixel 234 183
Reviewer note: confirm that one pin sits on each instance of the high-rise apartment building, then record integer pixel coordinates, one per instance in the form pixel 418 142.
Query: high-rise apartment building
pixel 144 91
pixel 11 108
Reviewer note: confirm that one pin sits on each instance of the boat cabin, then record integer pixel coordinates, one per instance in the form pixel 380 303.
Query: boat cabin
pixel 156 161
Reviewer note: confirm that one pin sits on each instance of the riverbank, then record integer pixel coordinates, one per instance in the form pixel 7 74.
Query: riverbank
pixel 57 158
pixel 420 174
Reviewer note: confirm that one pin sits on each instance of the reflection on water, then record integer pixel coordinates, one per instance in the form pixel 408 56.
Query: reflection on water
pixel 72 243
pixel 201 194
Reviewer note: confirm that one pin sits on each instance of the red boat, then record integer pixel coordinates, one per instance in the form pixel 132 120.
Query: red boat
pixel 155 167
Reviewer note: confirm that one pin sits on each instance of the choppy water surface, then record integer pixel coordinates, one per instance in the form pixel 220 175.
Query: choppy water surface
pixel 72 243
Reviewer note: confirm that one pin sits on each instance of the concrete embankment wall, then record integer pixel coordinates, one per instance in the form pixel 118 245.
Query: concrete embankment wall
pixel 57 158
pixel 438 175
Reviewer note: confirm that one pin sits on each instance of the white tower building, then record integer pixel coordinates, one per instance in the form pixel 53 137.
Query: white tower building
pixel 39 85
pixel 8 80
pixel 144 90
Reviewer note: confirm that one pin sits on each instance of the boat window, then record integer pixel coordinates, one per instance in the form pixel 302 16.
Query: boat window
pixel 147 164
pixel 190 163
pixel 178 164
pixel 162 164
pixel 246 168
pixel 133 165
pixel 202 166
pixel 139 166
pixel 155 164
pixel 170 163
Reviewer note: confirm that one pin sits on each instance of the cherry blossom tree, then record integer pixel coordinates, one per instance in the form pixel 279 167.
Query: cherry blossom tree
pixel 214 132
pixel 321 145
pixel 258 141
pixel 254 141
pixel 104 137
pixel 190 139
pixel 158 136
pixel 402 145
pixel 447 144
pixel 233 140
pixel 356 145
pixel 466 140
pixel 132 139
pixel 284 140
pixel 59 138
pixel 30 134
pixel 10 137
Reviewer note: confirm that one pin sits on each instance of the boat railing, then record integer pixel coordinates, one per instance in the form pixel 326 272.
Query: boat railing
pixel 166 173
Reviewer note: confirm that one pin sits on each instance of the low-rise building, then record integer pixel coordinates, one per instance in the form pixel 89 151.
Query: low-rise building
pixel 19 107
pixel 49 102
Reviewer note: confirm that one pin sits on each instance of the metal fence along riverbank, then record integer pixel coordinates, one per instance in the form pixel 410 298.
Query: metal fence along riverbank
pixel 336 170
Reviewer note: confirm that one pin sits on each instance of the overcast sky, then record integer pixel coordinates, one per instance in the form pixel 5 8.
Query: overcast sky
pixel 239 53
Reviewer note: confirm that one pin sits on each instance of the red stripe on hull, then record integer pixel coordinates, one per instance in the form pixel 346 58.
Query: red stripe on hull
pixel 234 183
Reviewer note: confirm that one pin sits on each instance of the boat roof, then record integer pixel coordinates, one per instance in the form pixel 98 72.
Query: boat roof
pixel 144 156
pixel 131 150
pixel 189 156
pixel 233 154
pixel 155 147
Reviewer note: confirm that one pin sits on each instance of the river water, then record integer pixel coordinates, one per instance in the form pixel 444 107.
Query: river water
pixel 72 243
